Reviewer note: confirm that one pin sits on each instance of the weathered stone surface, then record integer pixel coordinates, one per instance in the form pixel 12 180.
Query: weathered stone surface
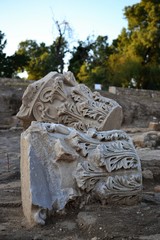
pixel 157 188
pixel 60 164
pixel 151 157
pixel 154 126
pixel 59 98
pixel 147 174
pixel 77 161
pixel 150 160
pixel 149 139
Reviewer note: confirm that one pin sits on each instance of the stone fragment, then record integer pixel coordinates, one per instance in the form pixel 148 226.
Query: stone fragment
pixel 157 188
pixel 59 98
pixel 151 197
pixel 149 139
pixel 154 126
pixel 147 174
pixel 2 227
pixel 60 164
pixel 94 238
pixel 138 140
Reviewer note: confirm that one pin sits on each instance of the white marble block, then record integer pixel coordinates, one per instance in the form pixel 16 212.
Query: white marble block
pixel 60 164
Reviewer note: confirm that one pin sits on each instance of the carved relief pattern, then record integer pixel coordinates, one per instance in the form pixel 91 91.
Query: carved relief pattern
pixel 87 176
pixel 107 166
pixel 78 107
pixel 118 155
pixel 73 157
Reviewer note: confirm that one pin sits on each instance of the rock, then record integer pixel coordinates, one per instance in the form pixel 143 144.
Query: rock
pixel 150 139
pixel 155 126
pixel 147 174
pixel 152 198
pixel 157 188
pixel 138 140
pixel 2 227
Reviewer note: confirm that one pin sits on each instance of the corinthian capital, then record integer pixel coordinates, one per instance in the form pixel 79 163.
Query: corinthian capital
pixel 58 98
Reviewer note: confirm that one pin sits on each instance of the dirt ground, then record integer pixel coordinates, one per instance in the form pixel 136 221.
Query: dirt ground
pixel 92 222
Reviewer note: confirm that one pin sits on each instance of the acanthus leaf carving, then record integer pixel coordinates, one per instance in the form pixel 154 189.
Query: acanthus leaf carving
pixel 87 175
pixel 84 108
pixel 74 151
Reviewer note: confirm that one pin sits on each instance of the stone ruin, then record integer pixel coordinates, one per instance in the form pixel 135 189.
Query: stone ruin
pixel 72 150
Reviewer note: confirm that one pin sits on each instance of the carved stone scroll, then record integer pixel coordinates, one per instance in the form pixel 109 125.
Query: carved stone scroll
pixel 58 98
pixel 60 164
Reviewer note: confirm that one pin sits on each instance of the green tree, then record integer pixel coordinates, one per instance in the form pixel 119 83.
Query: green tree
pixel 9 65
pixel 35 54
pixel 89 61
pixel 80 55
pixel 137 49
pixel 4 61
pixel 40 59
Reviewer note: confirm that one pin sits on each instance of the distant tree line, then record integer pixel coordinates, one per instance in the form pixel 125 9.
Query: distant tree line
pixel 131 60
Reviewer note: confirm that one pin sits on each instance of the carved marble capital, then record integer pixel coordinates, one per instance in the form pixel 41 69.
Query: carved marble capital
pixel 60 164
pixel 58 98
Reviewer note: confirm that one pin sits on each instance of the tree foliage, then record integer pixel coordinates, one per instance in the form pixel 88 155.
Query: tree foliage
pixel 9 65
pixel 4 61
pixel 132 60
pixel 89 61
pixel 80 55
pixel 136 55
pixel 41 59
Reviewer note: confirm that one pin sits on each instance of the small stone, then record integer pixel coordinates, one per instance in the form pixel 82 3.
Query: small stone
pixel 94 238
pixel 147 174
pixel 154 126
pixel 2 228
pixel 157 188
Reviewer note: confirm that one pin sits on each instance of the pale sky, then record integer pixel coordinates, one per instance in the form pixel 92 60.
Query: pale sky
pixel 33 19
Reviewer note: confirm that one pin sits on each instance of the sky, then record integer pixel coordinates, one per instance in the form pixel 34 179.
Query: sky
pixel 22 20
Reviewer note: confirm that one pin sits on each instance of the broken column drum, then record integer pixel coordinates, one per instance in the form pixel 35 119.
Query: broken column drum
pixel 69 151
